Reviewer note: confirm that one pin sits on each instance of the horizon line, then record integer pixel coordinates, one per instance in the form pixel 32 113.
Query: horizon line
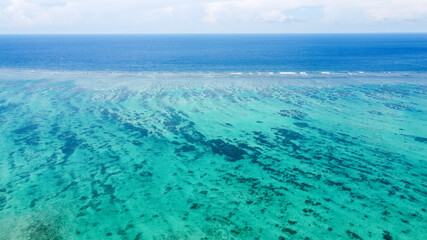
pixel 218 33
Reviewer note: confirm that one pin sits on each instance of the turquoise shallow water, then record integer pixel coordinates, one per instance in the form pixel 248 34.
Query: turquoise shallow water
pixel 115 155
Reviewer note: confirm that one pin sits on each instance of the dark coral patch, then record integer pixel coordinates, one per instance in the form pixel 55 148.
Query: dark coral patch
pixel 71 143
pixel 137 143
pixel 353 235
pixel 262 139
pixel 399 106
pixel 32 140
pixel 290 231
pixel 138 236
pixel 186 148
pixel 26 129
pixel 420 139
pixel 222 148
pixel 301 124
pixel 33 203
pixel 108 115
pixel 195 206
pixel 295 114
pixel 373 112
pixel 142 132
pixel 2 202
pixel 289 134
pixel 387 236
pixel 146 174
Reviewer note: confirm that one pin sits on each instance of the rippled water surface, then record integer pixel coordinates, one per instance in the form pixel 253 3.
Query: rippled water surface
pixel 104 155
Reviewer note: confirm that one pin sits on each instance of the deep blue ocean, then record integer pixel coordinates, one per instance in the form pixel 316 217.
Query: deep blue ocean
pixel 294 136
pixel 291 52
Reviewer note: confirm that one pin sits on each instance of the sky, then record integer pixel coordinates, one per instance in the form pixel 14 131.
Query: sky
pixel 210 16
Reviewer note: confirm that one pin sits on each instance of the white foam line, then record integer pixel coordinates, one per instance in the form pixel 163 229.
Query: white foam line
pixel 287 73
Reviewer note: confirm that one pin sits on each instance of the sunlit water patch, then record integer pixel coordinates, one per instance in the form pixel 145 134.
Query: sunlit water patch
pixel 99 155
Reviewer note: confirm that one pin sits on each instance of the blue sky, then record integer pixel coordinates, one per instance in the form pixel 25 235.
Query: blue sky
pixel 207 16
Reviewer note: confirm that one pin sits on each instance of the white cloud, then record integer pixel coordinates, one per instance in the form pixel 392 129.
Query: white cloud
pixel 273 16
pixel 396 10
pixel 375 10
pixel 212 10
pixel 249 10
pixel 202 15
pixel 43 12
pixel 359 10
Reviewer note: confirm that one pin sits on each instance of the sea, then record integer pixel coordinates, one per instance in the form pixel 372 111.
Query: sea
pixel 215 136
